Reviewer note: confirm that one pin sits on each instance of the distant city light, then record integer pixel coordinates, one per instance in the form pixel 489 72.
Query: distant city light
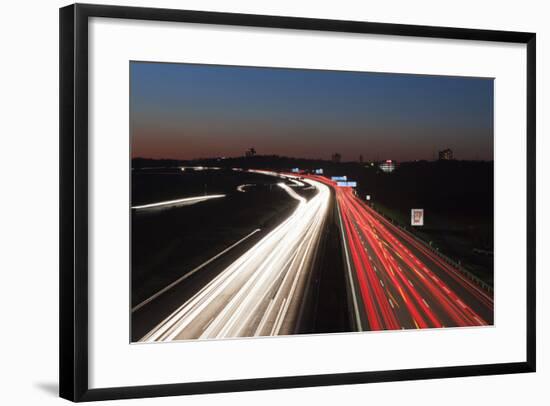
pixel 387 166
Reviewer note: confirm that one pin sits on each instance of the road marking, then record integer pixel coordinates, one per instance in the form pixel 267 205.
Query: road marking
pixel 402 294
pixel 394 301
pixel 418 273
pixel 187 275
pixel 355 306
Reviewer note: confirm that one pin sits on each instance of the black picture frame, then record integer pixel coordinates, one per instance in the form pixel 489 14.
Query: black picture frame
pixel 73 252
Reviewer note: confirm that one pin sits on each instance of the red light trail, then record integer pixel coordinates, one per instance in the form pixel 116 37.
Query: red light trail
pixel 400 282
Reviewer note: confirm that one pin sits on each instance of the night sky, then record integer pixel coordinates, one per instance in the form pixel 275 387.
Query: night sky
pixel 185 111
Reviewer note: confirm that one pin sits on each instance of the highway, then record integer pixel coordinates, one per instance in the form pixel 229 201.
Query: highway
pixel 392 280
pixel 396 281
pixel 260 293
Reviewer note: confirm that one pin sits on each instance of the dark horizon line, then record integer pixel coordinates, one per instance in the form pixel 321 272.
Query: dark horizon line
pixel 219 158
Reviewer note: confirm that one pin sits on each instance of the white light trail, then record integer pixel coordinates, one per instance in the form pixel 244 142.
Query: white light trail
pixel 178 202
pixel 291 192
pixel 296 182
pixel 200 168
pixel 260 293
pixel 241 188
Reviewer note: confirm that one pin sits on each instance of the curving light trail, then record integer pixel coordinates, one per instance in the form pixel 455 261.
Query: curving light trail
pixel 260 293
pixel 398 282
pixel 186 201
pixel 242 188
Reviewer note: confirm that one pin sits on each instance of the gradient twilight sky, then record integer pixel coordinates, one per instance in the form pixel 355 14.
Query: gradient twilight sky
pixel 186 111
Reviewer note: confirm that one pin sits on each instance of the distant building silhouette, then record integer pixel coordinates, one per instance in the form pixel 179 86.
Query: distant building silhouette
pixel 446 155
pixel 250 153
pixel 336 158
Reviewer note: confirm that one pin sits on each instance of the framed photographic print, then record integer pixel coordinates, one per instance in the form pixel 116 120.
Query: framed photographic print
pixel 257 202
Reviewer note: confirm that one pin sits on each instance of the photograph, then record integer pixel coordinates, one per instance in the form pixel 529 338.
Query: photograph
pixel 269 201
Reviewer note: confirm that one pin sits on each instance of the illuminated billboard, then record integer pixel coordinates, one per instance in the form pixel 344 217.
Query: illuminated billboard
pixel 417 217
pixel 347 184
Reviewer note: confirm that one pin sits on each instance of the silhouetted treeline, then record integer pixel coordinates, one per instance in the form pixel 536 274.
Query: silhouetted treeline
pixel 446 187
pixel 274 162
